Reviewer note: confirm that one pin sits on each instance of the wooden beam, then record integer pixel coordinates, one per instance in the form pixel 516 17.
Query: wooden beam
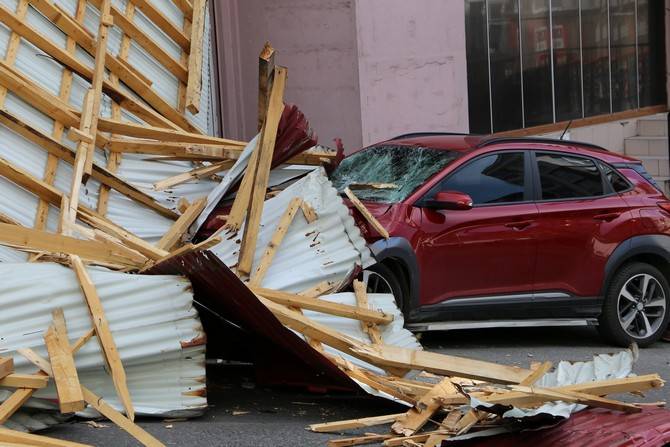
pixel 163 23
pixel 34 381
pixel 577 398
pixel 372 331
pixel 276 240
pixel 266 68
pixel 124 423
pixel 358 440
pixel 181 226
pixel 6 366
pixel 135 146
pixel 28 439
pixel 161 134
pixel 104 335
pixel 262 173
pixel 350 424
pixel 398 357
pixel 372 220
pixel 81 341
pixel 70 398
pixel 193 175
pixel 186 248
pixel 416 417
pixel 12 404
pixel 37 240
pixel 194 85
pixel 323 306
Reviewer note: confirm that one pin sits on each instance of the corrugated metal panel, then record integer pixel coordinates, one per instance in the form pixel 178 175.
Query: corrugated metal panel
pixel 47 73
pixel 329 249
pixel 155 326
pixel 593 428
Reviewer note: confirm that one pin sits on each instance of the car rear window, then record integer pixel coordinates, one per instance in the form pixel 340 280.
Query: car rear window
pixel 390 173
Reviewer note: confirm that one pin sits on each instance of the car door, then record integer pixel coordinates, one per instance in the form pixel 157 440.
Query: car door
pixel 582 219
pixel 490 249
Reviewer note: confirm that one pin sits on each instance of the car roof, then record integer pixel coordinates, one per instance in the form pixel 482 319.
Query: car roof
pixel 467 143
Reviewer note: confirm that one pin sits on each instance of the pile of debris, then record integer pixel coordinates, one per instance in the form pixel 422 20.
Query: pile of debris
pixel 123 220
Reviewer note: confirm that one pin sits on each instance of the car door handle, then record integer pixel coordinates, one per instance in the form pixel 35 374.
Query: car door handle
pixel 607 217
pixel 519 225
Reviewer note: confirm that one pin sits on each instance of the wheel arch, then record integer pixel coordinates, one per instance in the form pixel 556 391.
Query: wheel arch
pixel 653 249
pixel 397 253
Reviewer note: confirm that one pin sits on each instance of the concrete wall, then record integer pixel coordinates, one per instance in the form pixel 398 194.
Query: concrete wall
pixel 412 67
pixel 362 70
pixel 316 40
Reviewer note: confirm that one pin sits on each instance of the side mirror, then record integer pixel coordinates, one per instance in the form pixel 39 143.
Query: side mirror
pixel 450 200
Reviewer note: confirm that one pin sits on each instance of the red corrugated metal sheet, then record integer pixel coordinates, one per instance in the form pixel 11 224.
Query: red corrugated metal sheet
pixel 281 357
pixel 592 428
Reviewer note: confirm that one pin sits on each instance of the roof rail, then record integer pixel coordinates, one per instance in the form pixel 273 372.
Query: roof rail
pixel 427 134
pixel 496 140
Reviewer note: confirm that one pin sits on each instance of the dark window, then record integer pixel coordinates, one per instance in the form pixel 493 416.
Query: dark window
pixel 595 54
pixel 624 55
pixel 536 38
pixel 497 178
pixel 618 182
pixel 478 70
pixel 651 51
pixel 505 65
pixel 568 177
pixel 567 66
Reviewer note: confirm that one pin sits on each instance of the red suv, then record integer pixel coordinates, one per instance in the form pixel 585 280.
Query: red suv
pixel 488 231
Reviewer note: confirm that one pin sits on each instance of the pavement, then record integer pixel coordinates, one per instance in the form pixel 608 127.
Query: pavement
pixel 243 414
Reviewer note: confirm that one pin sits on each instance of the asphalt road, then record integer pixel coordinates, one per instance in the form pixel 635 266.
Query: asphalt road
pixel 242 414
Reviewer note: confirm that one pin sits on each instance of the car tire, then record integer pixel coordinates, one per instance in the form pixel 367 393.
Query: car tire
pixel 379 278
pixel 631 316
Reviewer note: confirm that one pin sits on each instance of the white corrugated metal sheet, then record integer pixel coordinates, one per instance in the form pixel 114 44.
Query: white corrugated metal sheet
pixel 328 249
pixel 47 73
pixel 155 326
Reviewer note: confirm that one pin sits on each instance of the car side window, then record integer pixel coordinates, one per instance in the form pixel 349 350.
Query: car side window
pixel 618 182
pixel 568 177
pixel 495 178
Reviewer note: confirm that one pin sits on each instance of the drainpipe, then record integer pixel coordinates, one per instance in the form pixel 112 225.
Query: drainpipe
pixel 667 76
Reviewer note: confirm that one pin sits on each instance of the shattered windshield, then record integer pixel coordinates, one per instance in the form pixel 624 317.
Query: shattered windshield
pixel 389 173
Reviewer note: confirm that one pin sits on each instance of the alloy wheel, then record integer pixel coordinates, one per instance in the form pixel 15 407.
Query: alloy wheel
pixel 641 306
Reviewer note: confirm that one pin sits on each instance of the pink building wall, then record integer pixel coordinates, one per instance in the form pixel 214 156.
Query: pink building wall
pixel 362 70
pixel 412 67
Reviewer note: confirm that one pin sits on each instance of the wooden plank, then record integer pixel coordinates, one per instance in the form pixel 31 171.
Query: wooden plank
pixel 24 381
pixel 319 289
pixel 275 241
pixel 29 439
pixel 398 357
pixel 262 175
pixel 266 68
pixel 12 404
pixel 358 440
pixel 372 220
pixel 372 331
pixel 187 248
pixel 181 226
pixel 61 152
pixel 193 175
pixel 537 374
pixel 163 23
pixel 13 45
pixel 70 398
pixel 194 84
pixel 81 341
pixel 124 423
pixel 577 398
pixel 104 335
pixel 308 212
pixel 217 152
pixel 6 366
pixel 323 306
pixel 350 424
pixel 238 211
pixel 37 240
pixel 416 417
pixel 162 134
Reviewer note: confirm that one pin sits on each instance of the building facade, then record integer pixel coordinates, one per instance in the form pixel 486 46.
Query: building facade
pixel 366 70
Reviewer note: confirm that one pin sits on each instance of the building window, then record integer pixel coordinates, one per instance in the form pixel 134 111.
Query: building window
pixel 534 62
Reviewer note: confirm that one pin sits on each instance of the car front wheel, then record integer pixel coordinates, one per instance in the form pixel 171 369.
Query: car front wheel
pixel 637 306
pixel 381 279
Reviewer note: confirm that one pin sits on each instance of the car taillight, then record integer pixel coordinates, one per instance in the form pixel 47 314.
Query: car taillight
pixel 664 205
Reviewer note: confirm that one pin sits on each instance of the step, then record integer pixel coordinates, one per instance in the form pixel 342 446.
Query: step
pixel 654 126
pixel 656 146
pixel 657 166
